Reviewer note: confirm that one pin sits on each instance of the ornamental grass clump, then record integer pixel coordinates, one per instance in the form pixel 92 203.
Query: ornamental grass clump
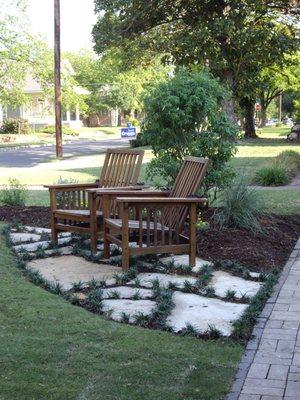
pixel 281 171
pixel 240 207
pixel 274 175
pixel 13 194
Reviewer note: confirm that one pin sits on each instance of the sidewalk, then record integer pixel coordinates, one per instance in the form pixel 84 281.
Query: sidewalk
pixel 270 368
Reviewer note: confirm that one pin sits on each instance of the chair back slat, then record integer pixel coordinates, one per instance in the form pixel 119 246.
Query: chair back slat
pixel 187 183
pixel 121 168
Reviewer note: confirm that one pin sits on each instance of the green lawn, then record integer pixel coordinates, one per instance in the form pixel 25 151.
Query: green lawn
pixel 52 350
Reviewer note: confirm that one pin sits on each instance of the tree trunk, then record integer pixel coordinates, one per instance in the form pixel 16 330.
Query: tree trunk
pixel 229 103
pixel 248 106
pixel 263 116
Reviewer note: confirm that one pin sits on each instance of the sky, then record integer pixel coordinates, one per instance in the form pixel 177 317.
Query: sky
pixel 77 19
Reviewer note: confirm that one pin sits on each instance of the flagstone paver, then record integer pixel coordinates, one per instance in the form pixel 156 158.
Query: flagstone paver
pixel 203 312
pixel 147 279
pixel 183 259
pixel 71 269
pixel 131 308
pixel 274 370
pixel 223 281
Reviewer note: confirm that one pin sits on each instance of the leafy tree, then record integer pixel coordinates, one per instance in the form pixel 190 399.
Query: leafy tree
pixel 43 72
pixel 18 51
pixel 236 39
pixel 111 85
pixel 273 81
pixel 184 117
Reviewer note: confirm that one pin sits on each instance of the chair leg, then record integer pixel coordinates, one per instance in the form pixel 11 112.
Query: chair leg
pixel 54 232
pixel 94 241
pixel 125 237
pixel 93 223
pixel 106 250
pixel 192 235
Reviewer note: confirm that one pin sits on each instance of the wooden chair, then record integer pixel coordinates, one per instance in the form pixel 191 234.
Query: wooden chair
pixel 74 209
pixel 157 221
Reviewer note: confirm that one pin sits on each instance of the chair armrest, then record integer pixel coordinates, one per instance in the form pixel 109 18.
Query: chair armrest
pixel 72 186
pixel 122 189
pixel 131 193
pixel 158 200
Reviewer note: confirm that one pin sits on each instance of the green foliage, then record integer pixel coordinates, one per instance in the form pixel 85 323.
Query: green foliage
pixel 184 117
pixel 274 175
pixel 65 130
pixel 13 194
pixel 297 111
pixel 236 40
pixel 141 140
pixel 19 51
pixel 241 208
pixel 284 167
pixel 15 126
pixel 133 121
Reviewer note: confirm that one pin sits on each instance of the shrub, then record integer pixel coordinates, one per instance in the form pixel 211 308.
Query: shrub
pixel 140 140
pixel 65 130
pixel 284 167
pixel 15 126
pixel 241 207
pixel 133 121
pixel 296 115
pixel 274 175
pixel 184 117
pixel 290 160
pixel 14 194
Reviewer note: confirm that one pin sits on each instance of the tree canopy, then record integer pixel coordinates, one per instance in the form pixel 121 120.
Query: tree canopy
pixel 235 39
pixel 19 51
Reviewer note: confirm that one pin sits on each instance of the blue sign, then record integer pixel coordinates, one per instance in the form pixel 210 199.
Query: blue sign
pixel 128 133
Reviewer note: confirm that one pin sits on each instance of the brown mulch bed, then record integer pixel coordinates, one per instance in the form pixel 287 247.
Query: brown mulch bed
pixel 259 252
pixel 256 251
pixel 32 216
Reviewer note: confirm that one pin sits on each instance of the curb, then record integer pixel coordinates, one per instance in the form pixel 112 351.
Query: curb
pixel 258 329
pixel 30 146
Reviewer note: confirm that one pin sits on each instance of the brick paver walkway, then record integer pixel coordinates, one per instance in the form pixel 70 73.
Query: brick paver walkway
pixel 274 373
pixel 270 367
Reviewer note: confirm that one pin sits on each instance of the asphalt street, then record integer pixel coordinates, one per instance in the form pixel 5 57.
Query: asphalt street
pixel 23 157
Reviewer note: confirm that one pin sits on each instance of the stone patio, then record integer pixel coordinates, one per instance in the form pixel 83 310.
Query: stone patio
pixel 126 300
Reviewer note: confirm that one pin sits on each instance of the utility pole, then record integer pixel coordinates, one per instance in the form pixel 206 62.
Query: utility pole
pixel 57 79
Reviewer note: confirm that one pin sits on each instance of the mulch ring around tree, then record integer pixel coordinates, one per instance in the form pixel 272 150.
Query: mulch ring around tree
pixel 259 252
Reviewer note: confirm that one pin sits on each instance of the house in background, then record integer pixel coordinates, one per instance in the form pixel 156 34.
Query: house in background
pixel 39 111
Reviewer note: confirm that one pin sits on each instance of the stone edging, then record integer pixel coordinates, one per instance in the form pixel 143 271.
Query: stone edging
pixel 258 329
